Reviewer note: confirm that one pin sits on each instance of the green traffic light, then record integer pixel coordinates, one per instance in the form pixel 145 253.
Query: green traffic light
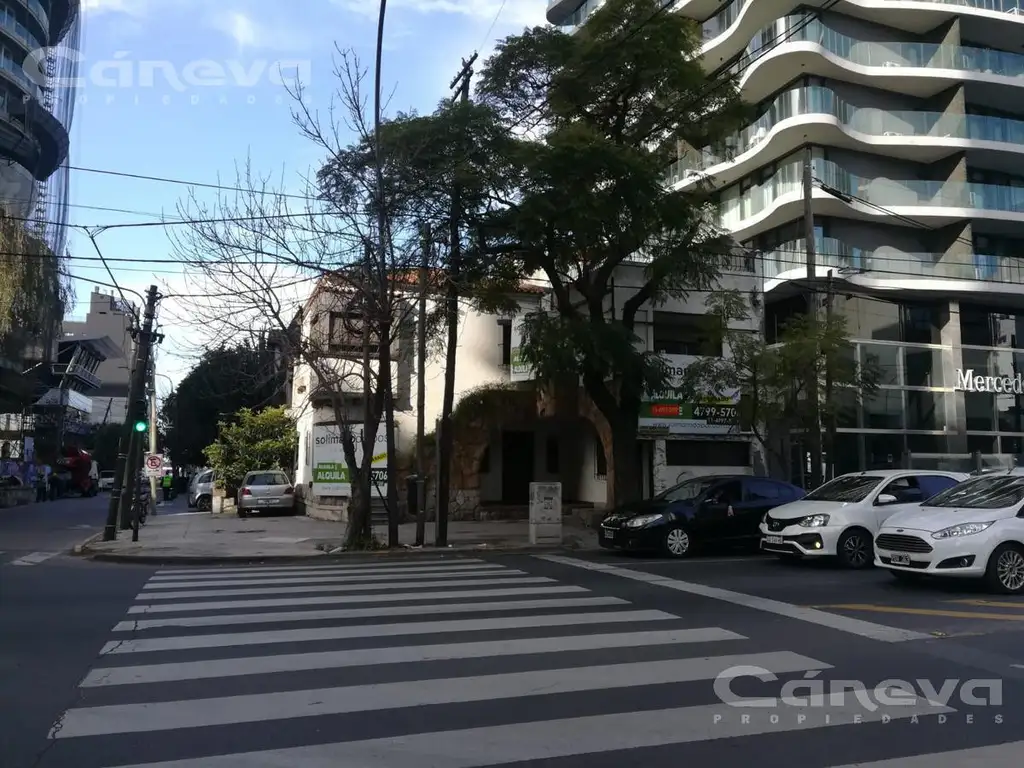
pixel 140 426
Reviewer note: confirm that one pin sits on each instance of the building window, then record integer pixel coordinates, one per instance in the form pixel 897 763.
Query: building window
pixel 676 333
pixel 884 410
pixel 346 335
pixel 926 411
pixel 707 453
pixel 980 411
pixel 600 460
pixel 885 358
pixel 506 342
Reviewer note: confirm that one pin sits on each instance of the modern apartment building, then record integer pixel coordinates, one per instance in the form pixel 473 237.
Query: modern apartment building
pixel 107 317
pixel 914 114
pixel 38 64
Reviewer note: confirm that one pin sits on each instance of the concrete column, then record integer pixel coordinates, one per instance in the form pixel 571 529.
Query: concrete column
pixel 956 407
pixel 546 514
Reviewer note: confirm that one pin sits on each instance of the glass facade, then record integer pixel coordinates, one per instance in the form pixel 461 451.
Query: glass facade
pixel 917 348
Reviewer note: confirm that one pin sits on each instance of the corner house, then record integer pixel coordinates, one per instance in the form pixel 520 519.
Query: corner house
pixel 952 376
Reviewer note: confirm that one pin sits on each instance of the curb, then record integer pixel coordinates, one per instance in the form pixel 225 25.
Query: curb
pixel 82 547
pixel 110 557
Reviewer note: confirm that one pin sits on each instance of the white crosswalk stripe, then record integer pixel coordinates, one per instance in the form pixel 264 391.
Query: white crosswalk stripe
pixel 498 669
pixel 34 558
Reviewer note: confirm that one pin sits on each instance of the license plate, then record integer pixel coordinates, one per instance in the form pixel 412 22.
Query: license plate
pixel 265 502
pixel 773 540
pixel 900 560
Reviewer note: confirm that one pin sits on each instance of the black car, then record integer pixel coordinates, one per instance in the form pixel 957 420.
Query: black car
pixel 711 509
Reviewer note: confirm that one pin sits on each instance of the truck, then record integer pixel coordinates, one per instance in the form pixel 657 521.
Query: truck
pixel 80 470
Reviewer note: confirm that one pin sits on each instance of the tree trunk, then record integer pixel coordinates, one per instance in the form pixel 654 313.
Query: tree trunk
pixel 387 385
pixel 625 469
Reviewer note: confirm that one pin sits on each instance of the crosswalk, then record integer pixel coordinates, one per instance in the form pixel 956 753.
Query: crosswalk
pixel 443 663
pixel 32 558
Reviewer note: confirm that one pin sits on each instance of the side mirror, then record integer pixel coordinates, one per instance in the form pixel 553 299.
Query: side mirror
pixel 885 498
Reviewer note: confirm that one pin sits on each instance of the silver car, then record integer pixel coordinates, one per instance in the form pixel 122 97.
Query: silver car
pixel 200 491
pixel 268 490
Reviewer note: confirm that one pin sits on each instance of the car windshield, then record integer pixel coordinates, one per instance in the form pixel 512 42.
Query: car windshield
pixel 688 490
pixel 850 488
pixel 267 478
pixel 984 493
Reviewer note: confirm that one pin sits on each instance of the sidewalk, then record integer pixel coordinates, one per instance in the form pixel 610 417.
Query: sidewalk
pixel 176 537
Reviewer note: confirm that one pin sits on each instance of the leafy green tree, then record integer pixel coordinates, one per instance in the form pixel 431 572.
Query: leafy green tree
pixel 253 440
pixel 224 380
pixel 585 200
pixel 773 380
pixel 104 442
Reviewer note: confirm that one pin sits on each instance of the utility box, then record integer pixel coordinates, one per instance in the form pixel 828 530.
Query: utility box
pixel 546 514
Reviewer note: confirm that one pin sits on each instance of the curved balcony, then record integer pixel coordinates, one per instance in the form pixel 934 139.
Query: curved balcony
pixel 570 13
pixel 913 69
pixel 817 114
pixel 893 269
pixel 725 33
pixel 15 143
pixel 18 32
pixel 780 199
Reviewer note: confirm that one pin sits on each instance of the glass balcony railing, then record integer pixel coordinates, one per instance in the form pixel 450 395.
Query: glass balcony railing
pixel 883 54
pixel 16 72
pixel 580 15
pixel 881 192
pixel 721 22
pixel 18 30
pixel 817 100
pixel 38 11
pixel 834 254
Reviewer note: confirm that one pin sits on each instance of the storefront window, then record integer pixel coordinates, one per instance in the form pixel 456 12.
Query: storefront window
pixel 927 444
pixel 847 453
pixel 926 411
pixel 885 359
pixel 1011 445
pixel 923 367
pixel 981 328
pixel 870 320
pixel 846 403
pixel 884 410
pixel 980 409
pixel 978 360
pixel 984 443
pixel 922 324
pixel 883 451
pixel 1011 413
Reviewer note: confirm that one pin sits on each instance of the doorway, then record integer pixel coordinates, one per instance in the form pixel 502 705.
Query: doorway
pixel 517 459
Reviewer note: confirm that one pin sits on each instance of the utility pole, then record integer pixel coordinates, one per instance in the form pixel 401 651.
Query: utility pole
pixel 421 390
pixel 460 85
pixel 814 425
pixel 830 444
pixel 120 496
pixel 366 478
pixel 153 489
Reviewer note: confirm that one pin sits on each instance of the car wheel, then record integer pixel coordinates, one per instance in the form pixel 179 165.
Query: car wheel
pixel 677 542
pixel 1005 571
pixel 204 503
pixel 241 512
pixel 855 550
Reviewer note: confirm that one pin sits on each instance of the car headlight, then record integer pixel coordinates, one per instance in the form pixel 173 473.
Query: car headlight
pixel 764 520
pixel 963 529
pixel 640 522
pixel 814 521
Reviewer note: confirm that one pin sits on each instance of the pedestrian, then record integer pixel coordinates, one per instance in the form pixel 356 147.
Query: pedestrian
pixel 40 480
pixel 167 482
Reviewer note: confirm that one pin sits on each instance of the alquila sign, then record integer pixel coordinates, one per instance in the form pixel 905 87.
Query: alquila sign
pixel 966 381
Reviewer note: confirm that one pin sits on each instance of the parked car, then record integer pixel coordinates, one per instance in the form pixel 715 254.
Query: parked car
pixel 200 491
pixel 268 490
pixel 708 509
pixel 840 518
pixel 106 480
pixel 974 530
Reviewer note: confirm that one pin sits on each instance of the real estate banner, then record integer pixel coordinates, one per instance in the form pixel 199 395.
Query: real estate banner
pixel 665 413
pixel 330 472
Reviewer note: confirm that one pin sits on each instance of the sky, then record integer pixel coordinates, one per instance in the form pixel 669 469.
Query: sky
pixel 192 90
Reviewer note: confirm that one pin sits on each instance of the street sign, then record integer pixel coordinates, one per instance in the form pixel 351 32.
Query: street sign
pixel 154 464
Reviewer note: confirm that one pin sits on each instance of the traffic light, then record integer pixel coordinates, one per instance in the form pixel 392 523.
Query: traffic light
pixel 141 426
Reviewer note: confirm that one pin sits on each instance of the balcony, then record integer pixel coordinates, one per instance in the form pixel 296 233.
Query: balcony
pixel 885 55
pixel 18 31
pixel 790 260
pixel 721 22
pixel 890 125
pixel 886 194
pixel 80 372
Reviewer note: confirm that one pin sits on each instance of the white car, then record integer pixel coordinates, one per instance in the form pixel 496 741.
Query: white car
pixel 975 530
pixel 840 519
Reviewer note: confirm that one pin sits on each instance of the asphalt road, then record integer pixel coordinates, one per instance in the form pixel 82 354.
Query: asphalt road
pixel 37 532
pixel 560 662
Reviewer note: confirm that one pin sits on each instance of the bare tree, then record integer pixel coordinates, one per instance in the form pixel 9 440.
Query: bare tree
pixel 255 257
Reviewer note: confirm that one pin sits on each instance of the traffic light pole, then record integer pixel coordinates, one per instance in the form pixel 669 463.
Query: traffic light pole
pixel 127 469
